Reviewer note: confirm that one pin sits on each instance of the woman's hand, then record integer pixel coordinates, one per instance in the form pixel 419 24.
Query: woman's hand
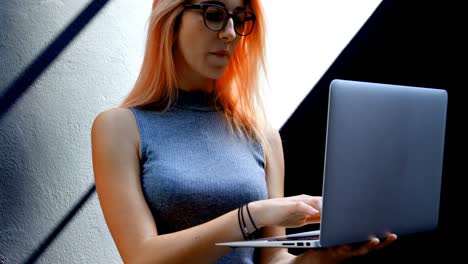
pixel 342 253
pixel 293 211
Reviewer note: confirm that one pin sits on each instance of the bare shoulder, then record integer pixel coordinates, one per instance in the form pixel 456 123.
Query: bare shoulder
pixel 274 139
pixel 115 125
pixel 274 163
pixel 274 151
pixel 114 118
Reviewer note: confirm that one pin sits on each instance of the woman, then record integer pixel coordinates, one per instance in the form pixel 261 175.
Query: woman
pixel 188 159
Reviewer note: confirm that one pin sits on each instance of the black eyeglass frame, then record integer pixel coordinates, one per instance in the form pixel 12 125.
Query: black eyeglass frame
pixel 251 17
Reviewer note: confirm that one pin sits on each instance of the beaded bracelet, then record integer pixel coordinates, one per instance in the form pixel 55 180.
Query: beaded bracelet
pixel 250 216
pixel 244 231
pixel 240 217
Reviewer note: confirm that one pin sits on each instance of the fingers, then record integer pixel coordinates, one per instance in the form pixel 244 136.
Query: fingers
pixel 311 219
pixel 388 240
pixel 303 209
pixel 341 253
pixel 374 244
pixel 285 212
pixel 306 209
pixel 314 201
pixel 303 213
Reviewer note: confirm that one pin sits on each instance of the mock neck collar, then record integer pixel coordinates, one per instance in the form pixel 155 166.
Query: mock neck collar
pixel 195 100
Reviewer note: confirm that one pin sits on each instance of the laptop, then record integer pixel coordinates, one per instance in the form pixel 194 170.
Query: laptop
pixel 383 165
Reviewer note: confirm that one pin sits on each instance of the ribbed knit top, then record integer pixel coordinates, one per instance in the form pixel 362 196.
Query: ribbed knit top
pixel 194 169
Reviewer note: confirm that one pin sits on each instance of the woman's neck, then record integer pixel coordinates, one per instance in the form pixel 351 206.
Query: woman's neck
pixel 197 84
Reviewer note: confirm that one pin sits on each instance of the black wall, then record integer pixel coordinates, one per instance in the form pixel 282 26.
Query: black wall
pixel 407 42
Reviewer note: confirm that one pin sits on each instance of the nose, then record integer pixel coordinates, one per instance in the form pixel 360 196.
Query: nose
pixel 228 33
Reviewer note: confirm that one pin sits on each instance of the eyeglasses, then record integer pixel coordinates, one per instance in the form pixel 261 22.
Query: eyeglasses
pixel 216 18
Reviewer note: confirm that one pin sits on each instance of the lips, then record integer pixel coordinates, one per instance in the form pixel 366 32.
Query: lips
pixel 222 53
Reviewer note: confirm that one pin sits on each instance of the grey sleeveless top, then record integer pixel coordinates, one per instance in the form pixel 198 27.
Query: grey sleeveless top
pixel 194 169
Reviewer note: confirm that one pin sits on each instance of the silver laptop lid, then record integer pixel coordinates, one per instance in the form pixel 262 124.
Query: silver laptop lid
pixel 383 160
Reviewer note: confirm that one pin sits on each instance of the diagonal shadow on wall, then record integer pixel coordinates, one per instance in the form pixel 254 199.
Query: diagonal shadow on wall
pixel 63 223
pixel 22 83
pixel 19 86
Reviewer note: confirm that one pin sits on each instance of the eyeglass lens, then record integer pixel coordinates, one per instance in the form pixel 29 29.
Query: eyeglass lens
pixel 216 19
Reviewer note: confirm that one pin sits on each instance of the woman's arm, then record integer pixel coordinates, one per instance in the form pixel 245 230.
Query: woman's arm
pixel 115 153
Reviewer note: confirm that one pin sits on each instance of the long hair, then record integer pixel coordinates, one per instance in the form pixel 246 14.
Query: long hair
pixel 237 91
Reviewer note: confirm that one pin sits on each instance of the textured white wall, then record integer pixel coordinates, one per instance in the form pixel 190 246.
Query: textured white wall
pixel 45 155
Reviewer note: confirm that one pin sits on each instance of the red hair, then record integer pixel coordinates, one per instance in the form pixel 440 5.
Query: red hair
pixel 238 92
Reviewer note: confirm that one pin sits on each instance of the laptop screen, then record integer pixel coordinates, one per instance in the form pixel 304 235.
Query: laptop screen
pixel 383 160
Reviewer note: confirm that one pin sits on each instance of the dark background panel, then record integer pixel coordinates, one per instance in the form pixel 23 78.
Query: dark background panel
pixel 404 42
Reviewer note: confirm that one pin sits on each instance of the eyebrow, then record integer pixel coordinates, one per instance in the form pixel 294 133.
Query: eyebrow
pixel 214 2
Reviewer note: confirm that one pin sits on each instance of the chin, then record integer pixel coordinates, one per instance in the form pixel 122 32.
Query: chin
pixel 215 73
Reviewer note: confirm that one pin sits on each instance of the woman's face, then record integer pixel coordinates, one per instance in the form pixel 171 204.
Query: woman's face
pixel 201 55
